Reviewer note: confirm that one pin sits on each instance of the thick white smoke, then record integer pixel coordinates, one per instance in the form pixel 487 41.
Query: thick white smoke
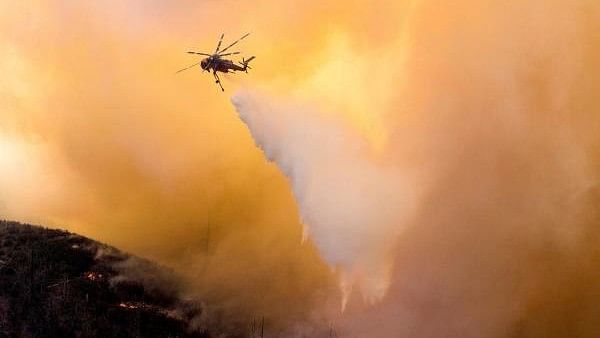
pixel 353 207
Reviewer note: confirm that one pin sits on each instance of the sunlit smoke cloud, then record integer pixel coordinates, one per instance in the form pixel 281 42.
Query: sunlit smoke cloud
pixel 485 110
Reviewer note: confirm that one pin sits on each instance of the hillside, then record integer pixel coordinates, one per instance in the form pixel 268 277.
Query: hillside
pixel 57 284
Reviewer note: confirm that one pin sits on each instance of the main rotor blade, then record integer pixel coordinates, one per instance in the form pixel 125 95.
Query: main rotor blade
pixel 236 41
pixel 198 53
pixel 188 67
pixel 227 54
pixel 219 45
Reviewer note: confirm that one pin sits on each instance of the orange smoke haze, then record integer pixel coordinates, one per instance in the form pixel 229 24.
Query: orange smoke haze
pixel 488 108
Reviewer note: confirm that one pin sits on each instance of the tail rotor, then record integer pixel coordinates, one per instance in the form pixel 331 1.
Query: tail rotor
pixel 246 62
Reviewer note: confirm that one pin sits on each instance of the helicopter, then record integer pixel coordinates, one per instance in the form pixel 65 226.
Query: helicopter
pixel 216 63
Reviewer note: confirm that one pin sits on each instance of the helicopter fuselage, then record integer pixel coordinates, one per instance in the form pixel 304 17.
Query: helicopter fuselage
pixel 216 64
